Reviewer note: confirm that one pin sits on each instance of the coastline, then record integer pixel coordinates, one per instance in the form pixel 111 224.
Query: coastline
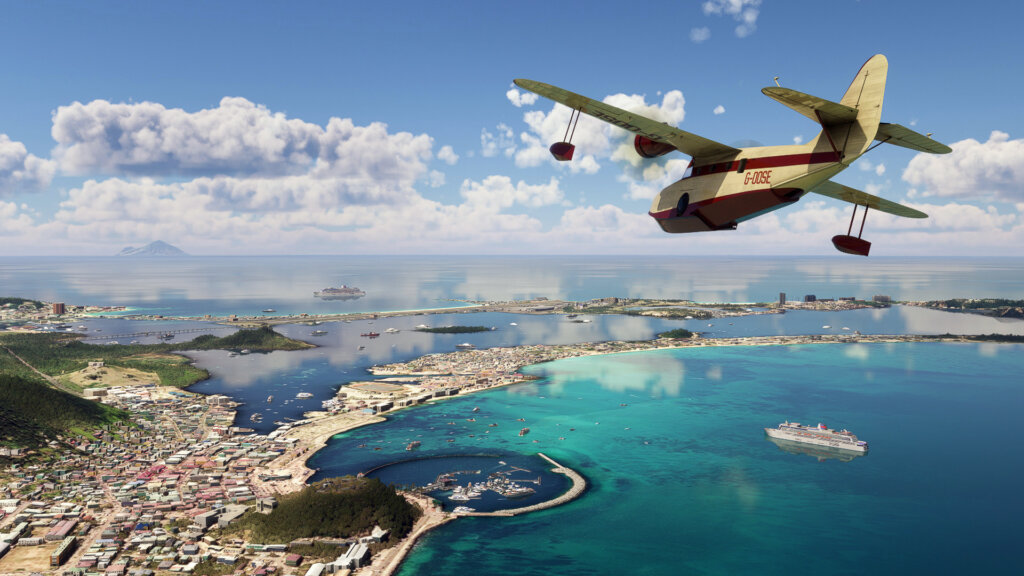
pixel 313 435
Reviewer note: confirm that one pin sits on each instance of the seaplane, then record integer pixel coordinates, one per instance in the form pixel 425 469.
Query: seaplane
pixel 724 185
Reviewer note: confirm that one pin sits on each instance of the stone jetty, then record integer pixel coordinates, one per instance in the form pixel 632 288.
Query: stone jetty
pixel 579 484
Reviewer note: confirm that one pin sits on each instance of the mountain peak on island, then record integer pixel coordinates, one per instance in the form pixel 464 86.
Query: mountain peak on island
pixel 157 248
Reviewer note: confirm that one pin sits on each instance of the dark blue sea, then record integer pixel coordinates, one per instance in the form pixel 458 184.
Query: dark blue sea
pixel 683 480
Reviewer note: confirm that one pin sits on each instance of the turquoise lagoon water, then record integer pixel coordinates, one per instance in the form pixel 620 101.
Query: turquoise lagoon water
pixel 683 480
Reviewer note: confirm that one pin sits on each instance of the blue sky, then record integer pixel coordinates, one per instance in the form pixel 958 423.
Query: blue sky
pixel 350 128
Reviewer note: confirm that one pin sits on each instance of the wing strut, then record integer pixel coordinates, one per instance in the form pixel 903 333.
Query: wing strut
pixel 562 151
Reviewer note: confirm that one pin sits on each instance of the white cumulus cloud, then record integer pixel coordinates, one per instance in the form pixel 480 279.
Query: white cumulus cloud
pixel 718 110
pixel 21 171
pixel 237 138
pixel 447 155
pixel 502 140
pixel 743 11
pixel 520 99
pixel 974 170
pixel 698 35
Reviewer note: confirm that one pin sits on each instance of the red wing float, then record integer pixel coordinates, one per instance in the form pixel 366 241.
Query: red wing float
pixel 725 186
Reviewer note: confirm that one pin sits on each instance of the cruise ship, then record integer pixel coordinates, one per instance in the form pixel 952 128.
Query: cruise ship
pixel 819 435
pixel 343 293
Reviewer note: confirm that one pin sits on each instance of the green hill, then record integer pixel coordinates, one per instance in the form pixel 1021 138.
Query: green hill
pixel 31 412
pixel 335 507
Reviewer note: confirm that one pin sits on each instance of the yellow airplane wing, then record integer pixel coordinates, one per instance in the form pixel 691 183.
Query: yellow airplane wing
pixel 907 138
pixel 687 143
pixel 847 194
pixel 811 106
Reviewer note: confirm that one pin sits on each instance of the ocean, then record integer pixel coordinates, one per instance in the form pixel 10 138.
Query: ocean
pixel 683 480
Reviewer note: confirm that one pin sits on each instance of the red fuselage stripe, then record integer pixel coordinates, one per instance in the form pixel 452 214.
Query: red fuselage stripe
pixel 767 162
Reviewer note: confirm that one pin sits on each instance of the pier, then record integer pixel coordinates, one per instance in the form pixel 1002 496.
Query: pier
pixel 579 484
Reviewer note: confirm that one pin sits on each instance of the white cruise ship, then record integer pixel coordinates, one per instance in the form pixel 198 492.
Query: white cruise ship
pixel 819 435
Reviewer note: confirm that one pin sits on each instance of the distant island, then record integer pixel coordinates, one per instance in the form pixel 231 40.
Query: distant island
pixel 157 248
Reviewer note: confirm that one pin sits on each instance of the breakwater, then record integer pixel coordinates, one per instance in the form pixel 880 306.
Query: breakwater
pixel 579 484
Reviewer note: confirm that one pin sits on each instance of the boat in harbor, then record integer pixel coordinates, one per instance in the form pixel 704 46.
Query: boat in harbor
pixel 463 510
pixel 819 435
pixel 256 417
pixel 318 332
pixel 342 293
pixel 270 399
pixel 465 346
pixel 392 331
pixel 413 445
pixel 304 395
pixel 370 334
pixel 524 431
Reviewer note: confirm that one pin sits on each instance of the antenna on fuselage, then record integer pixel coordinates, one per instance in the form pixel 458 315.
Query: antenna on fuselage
pixel 777 81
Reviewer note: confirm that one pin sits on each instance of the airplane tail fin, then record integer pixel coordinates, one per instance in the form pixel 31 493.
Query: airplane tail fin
pixel 865 94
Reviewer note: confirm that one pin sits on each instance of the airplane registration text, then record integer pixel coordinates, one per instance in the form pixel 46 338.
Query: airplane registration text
pixel 758 177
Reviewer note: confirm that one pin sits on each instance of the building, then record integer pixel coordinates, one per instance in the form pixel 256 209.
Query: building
pixel 782 298
pixel 63 552
pixel 58 308
pixel 810 298
pixel 882 299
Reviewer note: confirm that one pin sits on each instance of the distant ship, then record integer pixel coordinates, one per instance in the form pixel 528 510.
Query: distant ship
pixel 819 435
pixel 465 346
pixel 343 293
pixel 269 310
pixel 413 445
pixel 524 431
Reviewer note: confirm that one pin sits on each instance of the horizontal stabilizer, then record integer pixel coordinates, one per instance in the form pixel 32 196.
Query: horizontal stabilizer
pixel 847 194
pixel 811 106
pixel 687 143
pixel 907 138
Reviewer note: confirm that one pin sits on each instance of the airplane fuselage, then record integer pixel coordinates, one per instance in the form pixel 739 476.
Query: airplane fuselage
pixel 718 194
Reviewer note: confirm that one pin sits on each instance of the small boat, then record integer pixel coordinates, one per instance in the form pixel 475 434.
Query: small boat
pixel 465 346
pixel 256 417
pixel 232 354
pixel 304 395
pixel 361 348
pixel 470 419
pixel 524 431
pixel 392 331
pixel 270 399
pixel 318 332
pixel 825 327
pixel 476 409
pixel 244 351
pixel 269 310
pixel 493 424
pixel 370 334
pixel 134 342
pixel 571 316
pixel 463 510
pixel 413 445
pixel 422 326
pixel 513 324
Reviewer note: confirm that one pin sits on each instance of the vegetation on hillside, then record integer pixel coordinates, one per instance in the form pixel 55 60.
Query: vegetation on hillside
pixel 56 354
pixel 454 329
pixel 31 411
pixel 15 301
pixel 336 508
pixel 977 304
pixel 677 333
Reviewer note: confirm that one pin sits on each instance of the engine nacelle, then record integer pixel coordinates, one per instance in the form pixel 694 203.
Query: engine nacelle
pixel 648 148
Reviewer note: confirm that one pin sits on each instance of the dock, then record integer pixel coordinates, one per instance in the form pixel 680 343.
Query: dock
pixel 579 484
